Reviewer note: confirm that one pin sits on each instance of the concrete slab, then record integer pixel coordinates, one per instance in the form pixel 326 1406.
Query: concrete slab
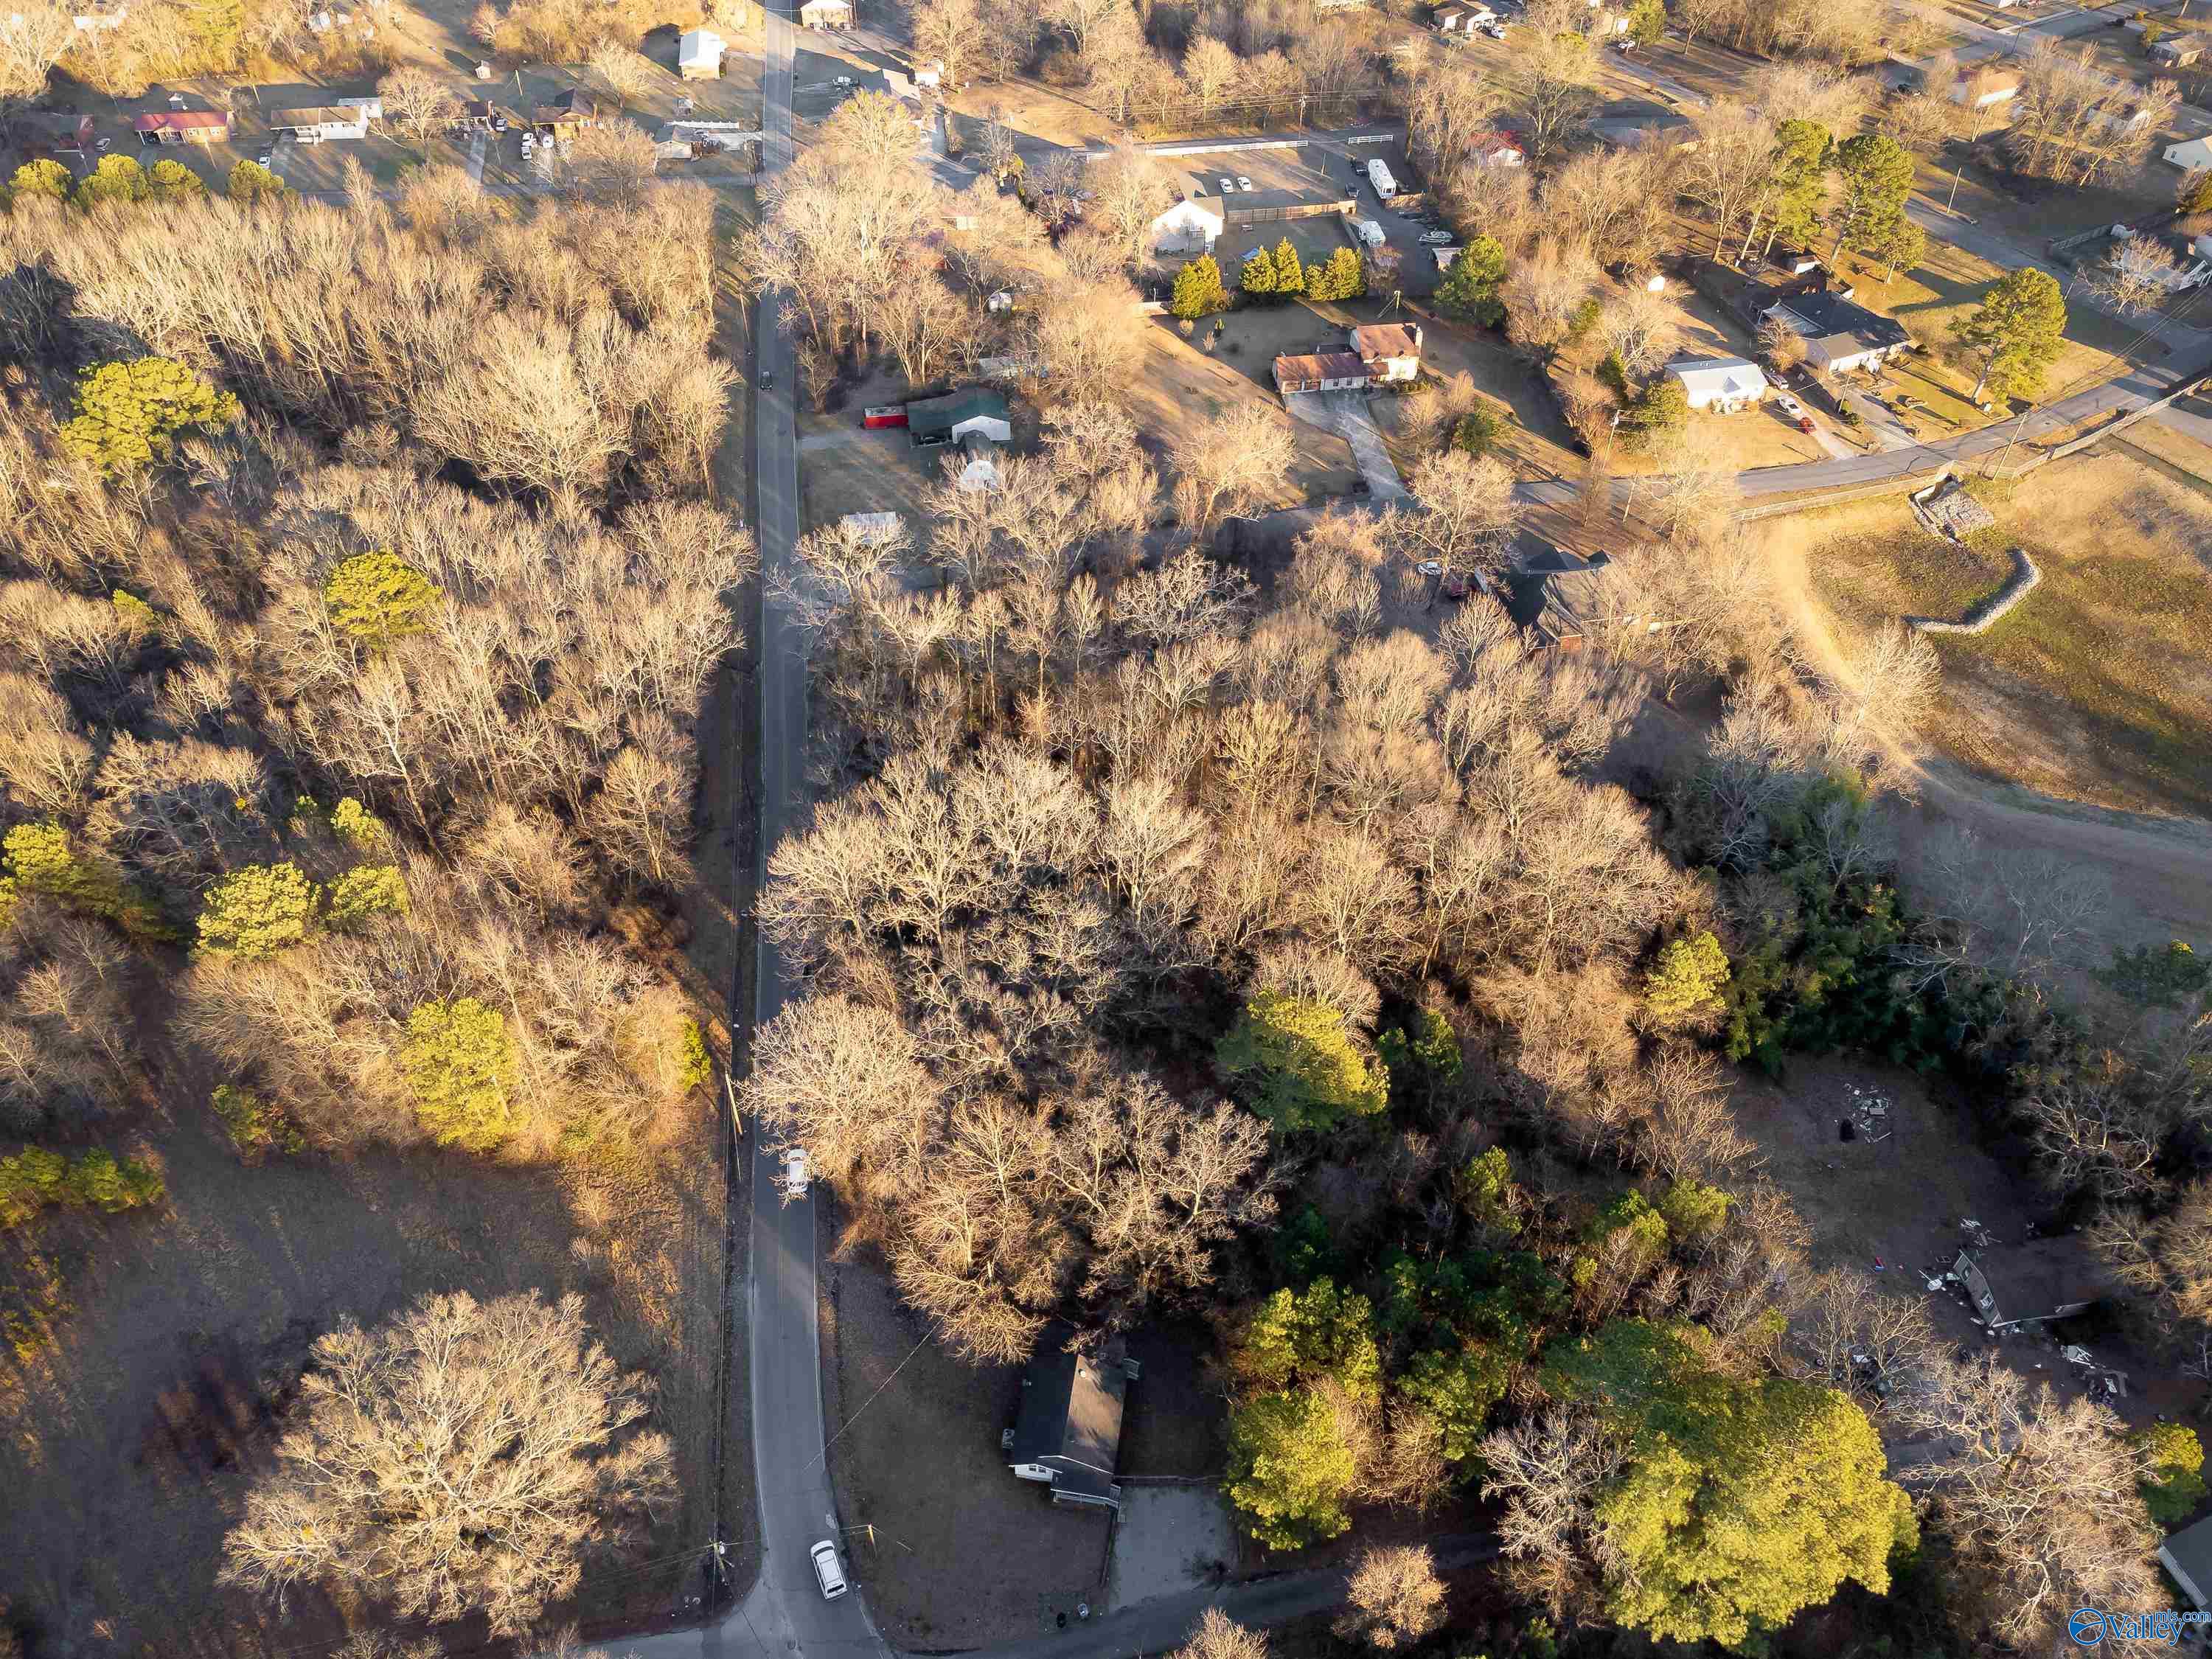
pixel 1170 1540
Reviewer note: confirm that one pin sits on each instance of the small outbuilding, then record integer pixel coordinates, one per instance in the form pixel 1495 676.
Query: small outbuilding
pixel 1985 86
pixel 2015 1285
pixel 699 55
pixel 931 422
pixel 875 529
pixel 1067 1433
pixel 2180 51
pixel 826 13
pixel 1720 385
pixel 182 126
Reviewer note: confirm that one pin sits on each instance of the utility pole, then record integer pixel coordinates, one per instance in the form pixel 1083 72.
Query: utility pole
pixel 1953 197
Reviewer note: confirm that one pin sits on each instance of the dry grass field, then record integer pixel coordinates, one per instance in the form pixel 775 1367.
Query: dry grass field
pixel 2096 689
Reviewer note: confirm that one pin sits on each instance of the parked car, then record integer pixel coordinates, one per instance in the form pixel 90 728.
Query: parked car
pixel 266 159
pixel 827 1573
pixel 499 124
pixel 1788 405
pixel 796 1174
pixel 1242 183
pixel 1496 31
pixel 1228 186
pixel 846 81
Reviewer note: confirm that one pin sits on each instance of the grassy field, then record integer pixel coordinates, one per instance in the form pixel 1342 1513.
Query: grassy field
pixel 2096 688
pixel 1933 299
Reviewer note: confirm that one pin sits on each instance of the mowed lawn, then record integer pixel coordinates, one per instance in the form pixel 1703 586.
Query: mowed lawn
pixel 2097 687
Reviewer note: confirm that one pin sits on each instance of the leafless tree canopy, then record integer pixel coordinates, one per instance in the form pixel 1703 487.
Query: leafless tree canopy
pixel 2038 1498
pixel 466 1457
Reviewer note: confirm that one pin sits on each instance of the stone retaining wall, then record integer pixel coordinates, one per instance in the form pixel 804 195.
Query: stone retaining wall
pixel 2018 586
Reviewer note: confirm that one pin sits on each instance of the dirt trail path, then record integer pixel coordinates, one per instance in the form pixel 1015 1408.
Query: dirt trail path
pixel 2159 867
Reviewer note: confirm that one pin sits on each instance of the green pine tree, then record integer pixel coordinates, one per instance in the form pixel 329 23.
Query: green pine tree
pixel 116 179
pixel 173 181
pixel 1687 979
pixel 130 413
pixel 258 912
pixel 378 597
pixel 2018 328
pixel 1198 289
pixel 459 1063
pixel 251 182
pixel 1469 289
pixel 1292 1466
pixel 44 177
pixel 1255 278
pixel 1290 274
pixel 1876 174
pixel 1300 1064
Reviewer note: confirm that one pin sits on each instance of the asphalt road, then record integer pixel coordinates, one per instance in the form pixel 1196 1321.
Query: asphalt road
pixel 2059 24
pixel 785 1612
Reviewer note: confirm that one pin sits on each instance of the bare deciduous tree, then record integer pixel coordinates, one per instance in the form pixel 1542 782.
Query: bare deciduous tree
pixel 1397 1599
pixel 462 1460
pixel 2038 1498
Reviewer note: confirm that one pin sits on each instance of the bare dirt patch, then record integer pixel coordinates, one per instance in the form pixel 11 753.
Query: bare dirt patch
pixel 1893 1202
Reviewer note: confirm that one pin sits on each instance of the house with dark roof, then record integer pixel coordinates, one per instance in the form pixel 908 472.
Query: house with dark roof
pixel 1839 335
pixel 1563 598
pixel 2012 1285
pixel 1068 1430
pixel 2187 1555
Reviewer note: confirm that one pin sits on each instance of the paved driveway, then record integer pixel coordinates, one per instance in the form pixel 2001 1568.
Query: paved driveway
pixel 1347 415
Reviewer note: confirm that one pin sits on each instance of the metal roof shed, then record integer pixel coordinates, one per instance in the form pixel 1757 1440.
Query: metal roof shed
pixel 948 419
pixel 699 55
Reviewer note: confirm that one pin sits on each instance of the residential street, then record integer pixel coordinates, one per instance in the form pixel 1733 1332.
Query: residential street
pixel 785 1611
pixel 2058 25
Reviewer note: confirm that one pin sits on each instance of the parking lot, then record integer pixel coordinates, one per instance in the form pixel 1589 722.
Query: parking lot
pixel 1316 170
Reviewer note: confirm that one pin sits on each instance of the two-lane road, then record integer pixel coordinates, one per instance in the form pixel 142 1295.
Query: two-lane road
pixel 786 1613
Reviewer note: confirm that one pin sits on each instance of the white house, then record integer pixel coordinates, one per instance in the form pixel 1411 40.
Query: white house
pixel 1496 149
pixel 1722 385
pixel 2190 154
pixel 1983 87
pixel 1320 371
pixel 699 55
pixel 1392 351
pixel 1191 226
pixel 321 121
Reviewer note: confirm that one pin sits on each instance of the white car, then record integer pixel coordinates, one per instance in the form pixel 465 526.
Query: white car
pixel 1242 183
pixel 795 1171
pixel 1788 405
pixel 1228 186
pixel 827 1573
pixel 1495 31
pixel 846 81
